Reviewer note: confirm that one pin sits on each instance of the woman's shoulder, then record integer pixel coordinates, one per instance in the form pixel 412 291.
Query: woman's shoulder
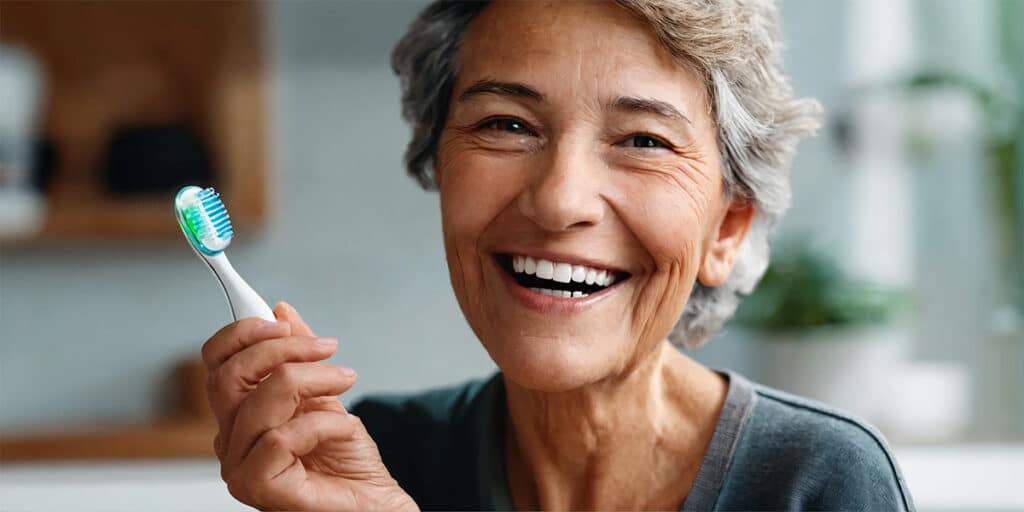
pixel 823 457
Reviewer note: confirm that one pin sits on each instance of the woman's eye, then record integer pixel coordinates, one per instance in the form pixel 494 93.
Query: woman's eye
pixel 506 125
pixel 644 141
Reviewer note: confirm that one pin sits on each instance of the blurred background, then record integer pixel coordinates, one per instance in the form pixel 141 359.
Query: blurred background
pixel 896 291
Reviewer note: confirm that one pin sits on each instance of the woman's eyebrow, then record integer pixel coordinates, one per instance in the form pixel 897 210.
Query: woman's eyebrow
pixel 515 89
pixel 649 106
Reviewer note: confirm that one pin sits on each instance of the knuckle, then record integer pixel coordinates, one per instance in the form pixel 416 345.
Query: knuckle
pixel 239 491
pixel 278 350
pixel 275 439
pixel 218 445
pixel 357 424
pixel 304 349
pixel 225 377
pixel 230 477
pixel 259 493
pixel 207 351
pixel 226 332
pixel 288 376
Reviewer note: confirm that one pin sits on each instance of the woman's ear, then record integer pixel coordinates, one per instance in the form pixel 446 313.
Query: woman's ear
pixel 725 245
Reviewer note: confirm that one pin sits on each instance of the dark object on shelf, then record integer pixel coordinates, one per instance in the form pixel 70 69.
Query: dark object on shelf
pixel 44 163
pixel 155 158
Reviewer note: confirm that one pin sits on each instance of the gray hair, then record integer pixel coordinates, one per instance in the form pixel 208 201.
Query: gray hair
pixel 734 45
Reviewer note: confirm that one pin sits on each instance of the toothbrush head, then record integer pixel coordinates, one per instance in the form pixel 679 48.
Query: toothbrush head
pixel 203 219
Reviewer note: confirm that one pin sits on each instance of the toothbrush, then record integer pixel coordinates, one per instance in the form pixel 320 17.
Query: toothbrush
pixel 205 222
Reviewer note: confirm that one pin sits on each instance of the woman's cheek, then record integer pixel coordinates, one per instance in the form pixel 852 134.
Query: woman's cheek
pixel 665 216
pixel 474 189
pixel 475 186
pixel 667 220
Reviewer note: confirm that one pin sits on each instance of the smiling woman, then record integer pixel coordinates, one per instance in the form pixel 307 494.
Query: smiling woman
pixel 608 173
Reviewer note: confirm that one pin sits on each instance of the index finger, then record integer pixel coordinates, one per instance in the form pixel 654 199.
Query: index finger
pixel 236 336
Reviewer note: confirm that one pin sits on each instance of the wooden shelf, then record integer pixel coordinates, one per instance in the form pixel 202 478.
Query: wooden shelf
pixel 187 433
pixel 110 64
pixel 175 438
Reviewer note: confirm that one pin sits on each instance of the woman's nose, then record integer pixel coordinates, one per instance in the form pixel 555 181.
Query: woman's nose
pixel 564 191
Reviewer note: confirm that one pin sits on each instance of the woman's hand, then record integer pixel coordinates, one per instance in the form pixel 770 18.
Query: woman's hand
pixel 284 440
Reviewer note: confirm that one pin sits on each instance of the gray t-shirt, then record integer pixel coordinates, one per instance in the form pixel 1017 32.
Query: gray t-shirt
pixel 769 451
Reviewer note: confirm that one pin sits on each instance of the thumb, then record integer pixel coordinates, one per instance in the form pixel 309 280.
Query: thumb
pixel 286 313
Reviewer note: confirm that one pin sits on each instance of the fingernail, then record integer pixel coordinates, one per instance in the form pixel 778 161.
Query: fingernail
pixel 346 371
pixel 327 342
pixel 268 326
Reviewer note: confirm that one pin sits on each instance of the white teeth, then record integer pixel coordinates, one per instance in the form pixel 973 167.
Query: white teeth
pixel 564 294
pixel 563 272
pixel 545 269
pixel 530 265
pixel 579 273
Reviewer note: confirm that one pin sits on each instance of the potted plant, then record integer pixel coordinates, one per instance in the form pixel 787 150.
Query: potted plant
pixel 822 334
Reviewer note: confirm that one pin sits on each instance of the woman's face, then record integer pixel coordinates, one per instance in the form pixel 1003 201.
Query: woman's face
pixel 577 148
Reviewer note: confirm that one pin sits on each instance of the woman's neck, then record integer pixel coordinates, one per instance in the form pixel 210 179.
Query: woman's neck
pixel 634 441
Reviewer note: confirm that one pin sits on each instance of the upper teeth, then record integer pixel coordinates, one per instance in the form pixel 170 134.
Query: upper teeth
pixel 561 272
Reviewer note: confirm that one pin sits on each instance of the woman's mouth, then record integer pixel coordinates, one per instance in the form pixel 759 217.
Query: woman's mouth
pixel 558 279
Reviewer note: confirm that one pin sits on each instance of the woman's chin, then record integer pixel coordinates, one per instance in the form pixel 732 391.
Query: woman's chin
pixel 551 364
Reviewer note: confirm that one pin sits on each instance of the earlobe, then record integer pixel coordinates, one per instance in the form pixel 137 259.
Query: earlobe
pixel 725 246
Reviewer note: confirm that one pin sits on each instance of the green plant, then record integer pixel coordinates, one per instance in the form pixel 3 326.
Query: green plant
pixel 803 288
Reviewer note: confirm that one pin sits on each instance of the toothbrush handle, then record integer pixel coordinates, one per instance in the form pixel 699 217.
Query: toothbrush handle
pixel 243 300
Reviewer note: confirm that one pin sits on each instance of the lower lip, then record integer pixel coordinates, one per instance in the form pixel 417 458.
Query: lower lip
pixel 548 304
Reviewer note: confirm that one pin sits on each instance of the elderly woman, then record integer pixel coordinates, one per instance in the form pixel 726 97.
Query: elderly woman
pixel 607 174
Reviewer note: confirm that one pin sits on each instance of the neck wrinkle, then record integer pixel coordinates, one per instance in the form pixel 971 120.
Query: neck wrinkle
pixel 638 438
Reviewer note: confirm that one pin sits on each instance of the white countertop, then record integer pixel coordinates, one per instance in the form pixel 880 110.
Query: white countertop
pixel 956 477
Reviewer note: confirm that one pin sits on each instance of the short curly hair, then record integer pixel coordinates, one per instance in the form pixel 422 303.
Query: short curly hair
pixel 733 44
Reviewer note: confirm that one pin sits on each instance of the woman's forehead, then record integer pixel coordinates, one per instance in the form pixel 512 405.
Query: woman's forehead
pixel 592 51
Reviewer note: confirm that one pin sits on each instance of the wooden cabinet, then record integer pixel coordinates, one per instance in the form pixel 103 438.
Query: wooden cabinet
pixel 115 63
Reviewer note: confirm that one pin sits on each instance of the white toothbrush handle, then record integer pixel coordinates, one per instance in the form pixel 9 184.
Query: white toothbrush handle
pixel 243 300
